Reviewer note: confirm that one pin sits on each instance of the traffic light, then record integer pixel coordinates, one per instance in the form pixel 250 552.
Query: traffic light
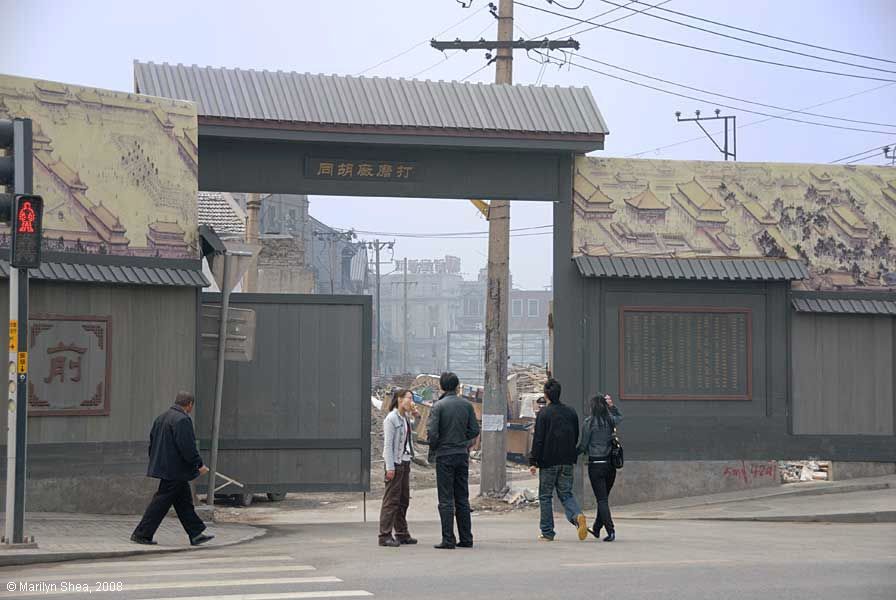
pixel 7 167
pixel 22 210
pixel 27 230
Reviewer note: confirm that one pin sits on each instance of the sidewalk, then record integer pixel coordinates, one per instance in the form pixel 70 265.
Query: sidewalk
pixel 870 500
pixel 62 537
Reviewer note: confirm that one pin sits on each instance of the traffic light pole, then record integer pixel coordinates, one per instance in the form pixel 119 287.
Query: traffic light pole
pixel 17 432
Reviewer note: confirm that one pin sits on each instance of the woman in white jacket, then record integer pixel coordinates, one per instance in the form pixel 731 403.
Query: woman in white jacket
pixel 398 450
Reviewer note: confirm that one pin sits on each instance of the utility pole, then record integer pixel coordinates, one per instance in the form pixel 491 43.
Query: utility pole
pixel 331 237
pixel 404 329
pixel 494 438
pixel 494 409
pixel 723 149
pixel 376 246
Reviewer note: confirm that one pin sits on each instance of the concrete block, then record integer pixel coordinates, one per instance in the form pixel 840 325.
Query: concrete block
pixel 841 471
pixel 108 494
pixel 647 481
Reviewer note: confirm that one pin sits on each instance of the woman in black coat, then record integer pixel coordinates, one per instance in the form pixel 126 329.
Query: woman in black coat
pixel 596 443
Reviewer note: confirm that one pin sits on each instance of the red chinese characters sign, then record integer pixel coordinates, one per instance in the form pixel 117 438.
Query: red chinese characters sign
pixel 70 366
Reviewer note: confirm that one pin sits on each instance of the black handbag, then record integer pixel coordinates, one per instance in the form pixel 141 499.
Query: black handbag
pixel 616 456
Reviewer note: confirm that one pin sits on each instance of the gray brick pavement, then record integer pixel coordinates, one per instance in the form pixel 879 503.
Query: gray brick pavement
pixel 78 536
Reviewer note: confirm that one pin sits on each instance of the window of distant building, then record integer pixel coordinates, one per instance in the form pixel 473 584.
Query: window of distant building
pixel 533 308
pixel 517 309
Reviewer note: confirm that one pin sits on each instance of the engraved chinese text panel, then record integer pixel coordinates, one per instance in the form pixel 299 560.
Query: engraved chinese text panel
pixel 688 353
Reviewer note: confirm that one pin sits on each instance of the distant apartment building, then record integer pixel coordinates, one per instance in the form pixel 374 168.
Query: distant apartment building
pixel 445 309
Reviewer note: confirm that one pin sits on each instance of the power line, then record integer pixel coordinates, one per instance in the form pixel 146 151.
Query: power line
pixel 755 43
pixel 437 235
pixel 707 50
pixel 746 110
pixel 774 37
pixel 424 42
pixel 761 121
pixel 554 2
pixel 870 150
pixel 603 14
pixel 735 98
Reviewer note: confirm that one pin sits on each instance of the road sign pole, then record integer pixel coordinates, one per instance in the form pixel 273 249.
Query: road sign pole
pixel 219 381
pixel 17 433
pixel 12 412
pixel 18 534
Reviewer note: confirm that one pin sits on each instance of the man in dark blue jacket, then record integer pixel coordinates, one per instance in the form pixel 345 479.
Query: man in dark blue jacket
pixel 174 461
pixel 451 430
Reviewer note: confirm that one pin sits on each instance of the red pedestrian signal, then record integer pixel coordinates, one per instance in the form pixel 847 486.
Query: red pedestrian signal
pixel 27 231
pixel 26 217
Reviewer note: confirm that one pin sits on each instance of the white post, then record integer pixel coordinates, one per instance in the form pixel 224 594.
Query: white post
pixel 12 408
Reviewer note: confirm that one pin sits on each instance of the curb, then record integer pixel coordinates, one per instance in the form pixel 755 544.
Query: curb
pixel 772 493
pixel 57 557
pixel 884 516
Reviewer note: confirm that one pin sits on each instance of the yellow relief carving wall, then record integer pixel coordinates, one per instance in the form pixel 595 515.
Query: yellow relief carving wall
pixel 118 171
pixel 840 220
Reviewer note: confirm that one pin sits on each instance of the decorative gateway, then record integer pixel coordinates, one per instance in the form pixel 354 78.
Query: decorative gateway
pixel 70 367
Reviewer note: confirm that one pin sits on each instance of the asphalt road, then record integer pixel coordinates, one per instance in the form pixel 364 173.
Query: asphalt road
pixel 650 560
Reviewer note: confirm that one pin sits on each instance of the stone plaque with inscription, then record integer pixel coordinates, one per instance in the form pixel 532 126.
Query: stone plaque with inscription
pixel 70 366
pixel 685 353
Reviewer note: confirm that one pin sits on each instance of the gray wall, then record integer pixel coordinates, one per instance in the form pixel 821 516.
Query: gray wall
pixel 296 418
pixel 98 463
pixel 843 370
pixel 762 428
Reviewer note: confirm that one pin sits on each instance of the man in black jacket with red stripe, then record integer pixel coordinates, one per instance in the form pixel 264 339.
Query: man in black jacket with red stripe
pixel 554 455
pixel 174 460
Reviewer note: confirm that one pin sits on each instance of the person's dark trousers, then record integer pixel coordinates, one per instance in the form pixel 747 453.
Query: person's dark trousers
pixel 602 476
pixel 178 494
pixel 560 478
pixel 452 478
pixel 396 499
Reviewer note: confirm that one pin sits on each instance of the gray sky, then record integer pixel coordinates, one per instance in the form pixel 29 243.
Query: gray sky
pixel 94 43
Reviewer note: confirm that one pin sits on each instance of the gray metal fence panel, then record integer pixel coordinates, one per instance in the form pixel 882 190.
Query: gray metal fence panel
pixel 297 417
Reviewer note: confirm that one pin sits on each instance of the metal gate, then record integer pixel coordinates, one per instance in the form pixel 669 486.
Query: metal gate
pixel 297 416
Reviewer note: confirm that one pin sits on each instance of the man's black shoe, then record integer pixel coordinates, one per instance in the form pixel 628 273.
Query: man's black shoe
pixel 444 546
pixel 142 540
pixel 611 537
pixel 201 539
pixel 390 543
pixel 408 541
pixel 465 545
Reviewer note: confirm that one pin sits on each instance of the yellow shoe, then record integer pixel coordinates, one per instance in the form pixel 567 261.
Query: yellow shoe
pixel 582 527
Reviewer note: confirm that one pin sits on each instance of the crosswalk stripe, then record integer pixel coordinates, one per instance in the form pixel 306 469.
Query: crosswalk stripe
pixel 179 561
pixel 182 585
pixel 235 570
pixel 278 596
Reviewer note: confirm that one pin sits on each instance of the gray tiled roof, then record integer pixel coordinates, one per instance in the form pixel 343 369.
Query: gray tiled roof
pixel 855 306
pixel 113 274
pixel 375 102
pixel 216 212
pixel 719 269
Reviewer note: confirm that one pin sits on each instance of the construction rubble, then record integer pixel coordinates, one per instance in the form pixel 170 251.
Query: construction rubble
pixel 804 470
pixel 524 385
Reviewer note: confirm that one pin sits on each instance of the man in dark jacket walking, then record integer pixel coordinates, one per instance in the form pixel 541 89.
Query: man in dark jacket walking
pixel 451 429
pixel 554 455
pixel 174 461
